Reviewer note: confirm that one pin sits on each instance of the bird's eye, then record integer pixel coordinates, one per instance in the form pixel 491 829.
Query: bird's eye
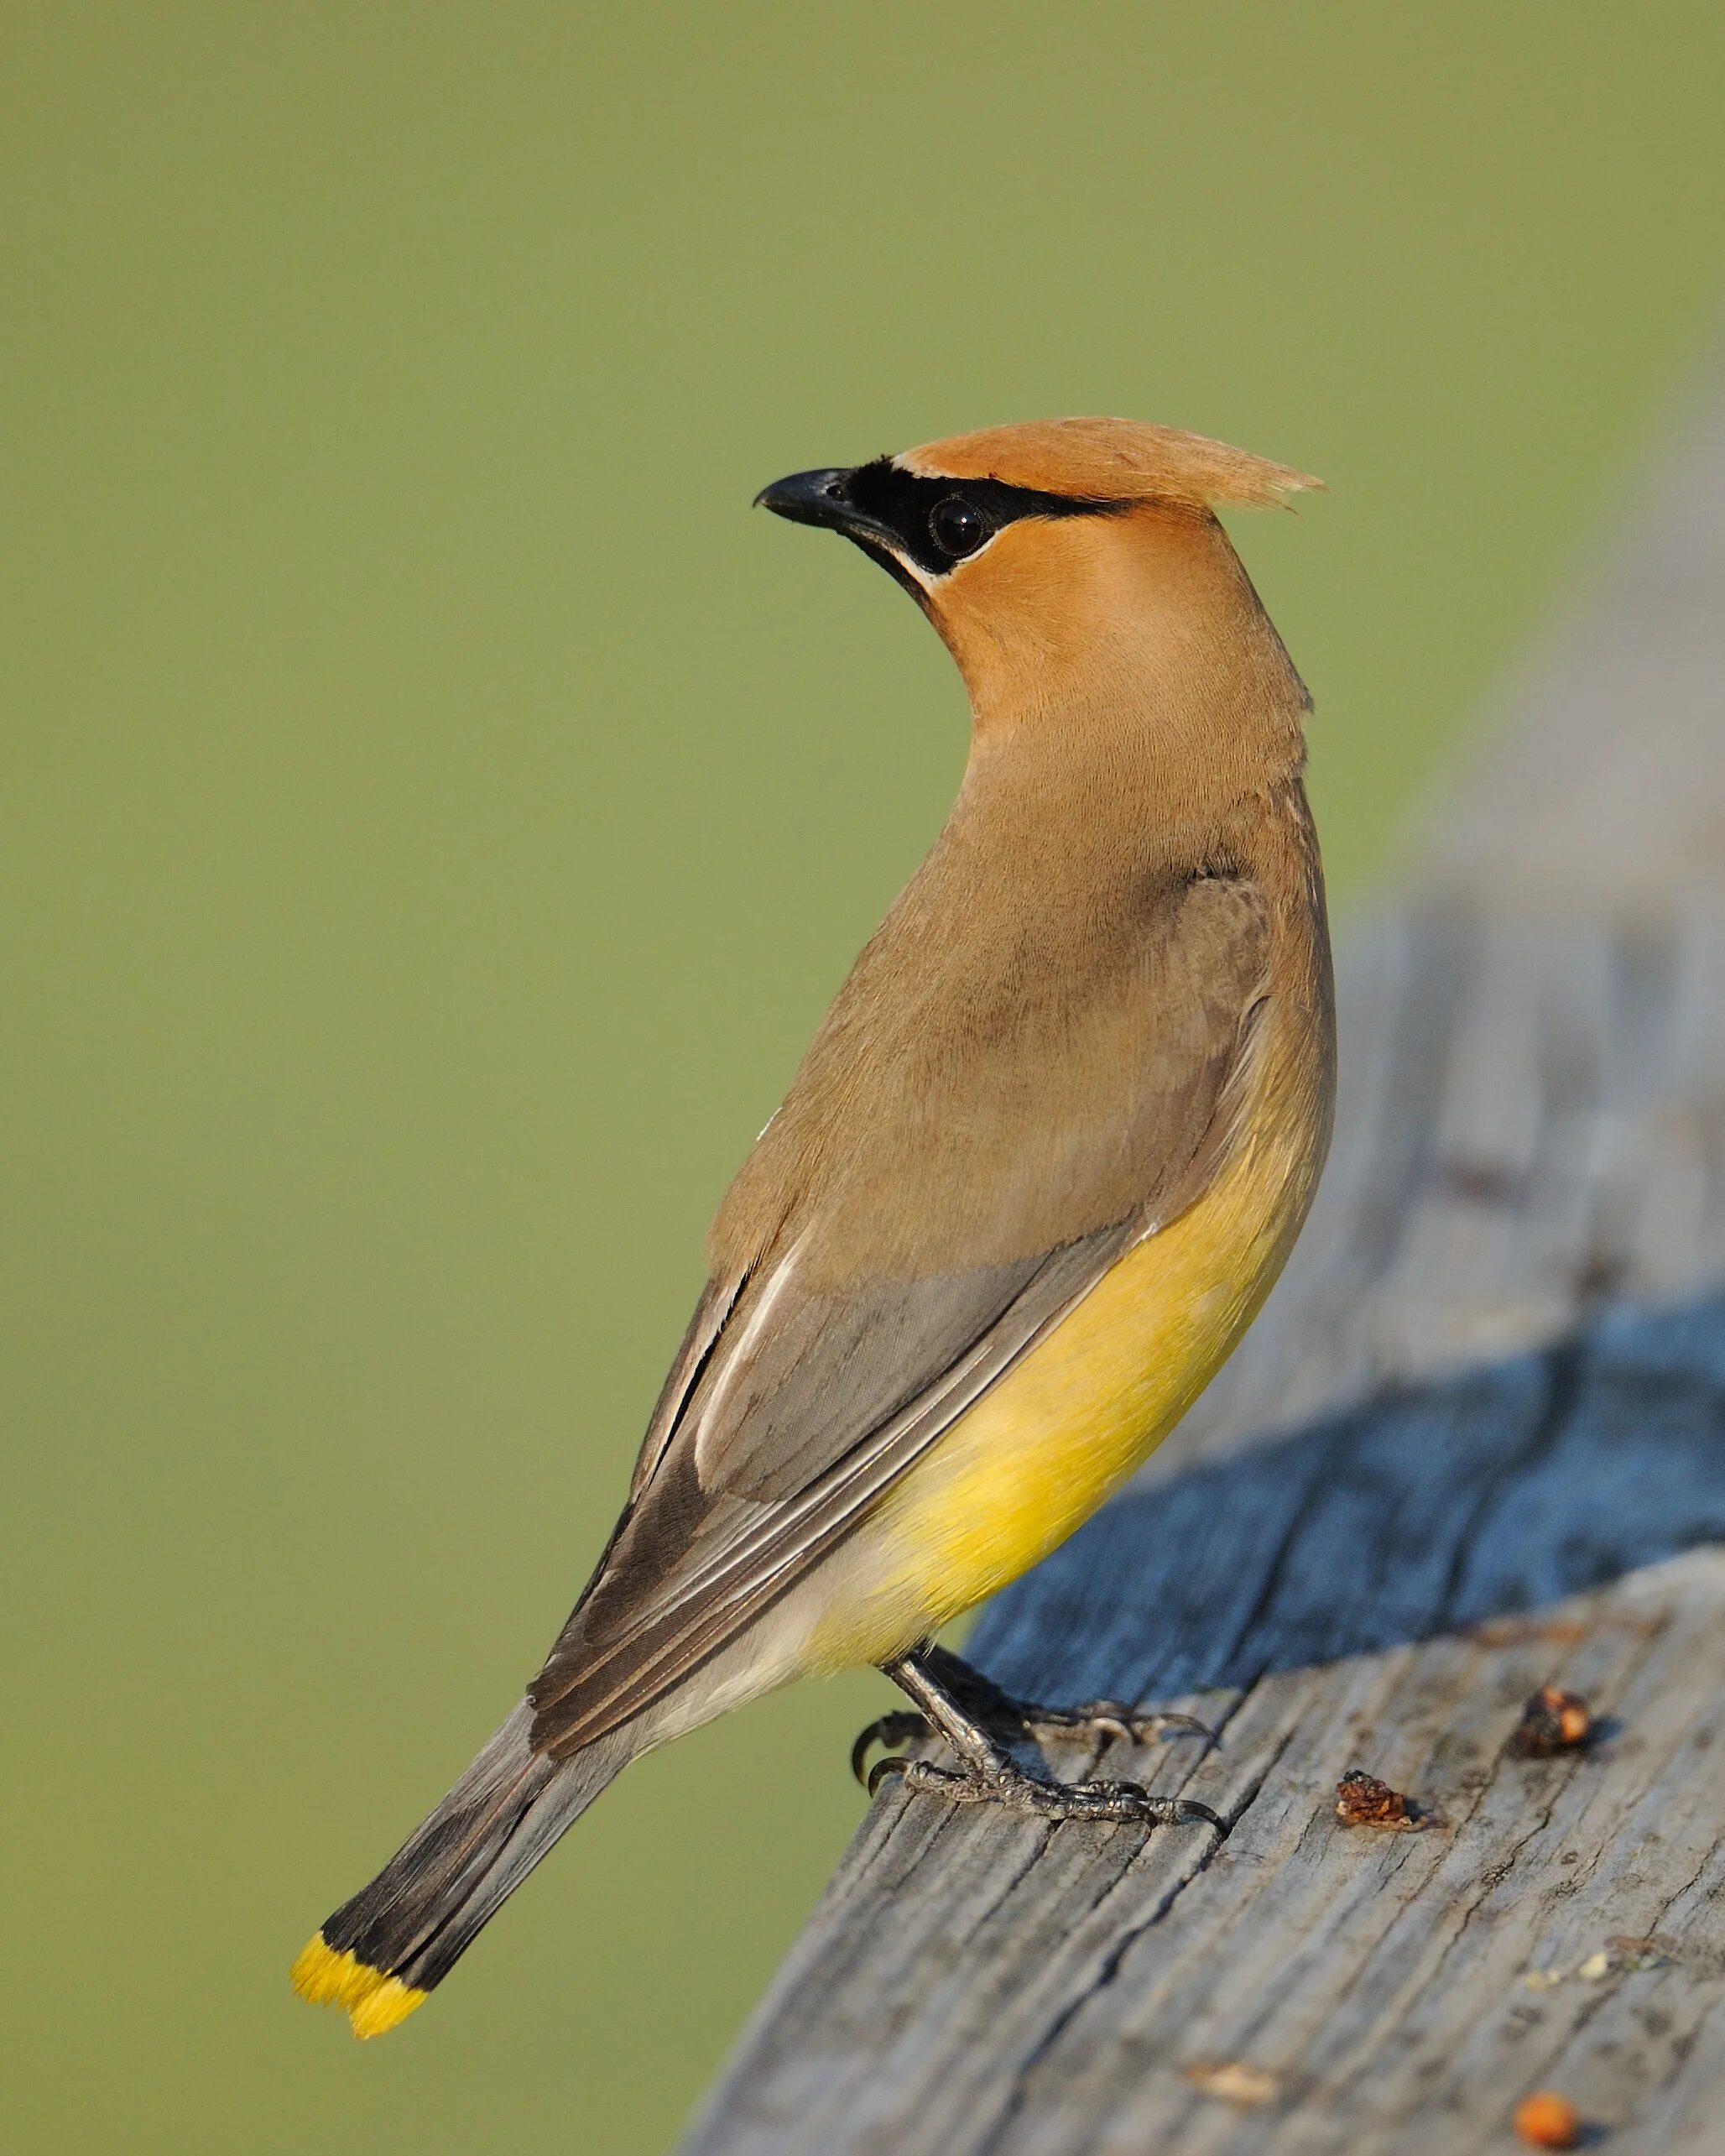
pixel 957 529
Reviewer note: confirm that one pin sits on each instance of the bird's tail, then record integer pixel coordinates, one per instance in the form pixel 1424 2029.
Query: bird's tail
pixel 381 1953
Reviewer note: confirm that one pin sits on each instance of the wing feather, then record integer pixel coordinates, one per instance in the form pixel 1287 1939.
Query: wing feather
pixel 805 1387
pixel 621 1649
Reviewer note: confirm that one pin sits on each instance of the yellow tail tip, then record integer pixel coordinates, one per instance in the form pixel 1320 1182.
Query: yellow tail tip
pixel 374 2000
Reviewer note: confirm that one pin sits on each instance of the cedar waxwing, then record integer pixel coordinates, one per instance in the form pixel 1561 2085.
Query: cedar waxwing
pixel 1040 1167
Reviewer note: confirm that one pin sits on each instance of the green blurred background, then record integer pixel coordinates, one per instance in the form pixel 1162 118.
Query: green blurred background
pixel 438 811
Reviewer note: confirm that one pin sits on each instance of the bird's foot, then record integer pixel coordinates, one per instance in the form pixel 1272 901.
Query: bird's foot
pixel 986 1704
pixel 1013 1790
pixel 971 1713
pixel 1096 1719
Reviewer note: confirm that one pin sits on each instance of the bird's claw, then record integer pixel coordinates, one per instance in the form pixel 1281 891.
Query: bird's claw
pixel 1099 1718
pixel 1110 1718
pixel 1095 1719
pixel 1107 1802
pixel 904 1727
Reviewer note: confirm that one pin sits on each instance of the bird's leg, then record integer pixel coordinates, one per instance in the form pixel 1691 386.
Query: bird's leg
pixel 999 1711
pixel 1100 1718
pixel 987 1772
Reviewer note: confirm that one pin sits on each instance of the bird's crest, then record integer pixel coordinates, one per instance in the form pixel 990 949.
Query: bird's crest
pixel 1104 460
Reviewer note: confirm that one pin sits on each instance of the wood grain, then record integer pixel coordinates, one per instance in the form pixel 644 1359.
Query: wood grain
pixel 1476 1444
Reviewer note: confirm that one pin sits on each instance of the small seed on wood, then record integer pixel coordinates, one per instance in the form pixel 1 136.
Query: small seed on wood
pixel 1235 2081
pixel 1545 2120
pixel 1362 1800
pixel 1553 1720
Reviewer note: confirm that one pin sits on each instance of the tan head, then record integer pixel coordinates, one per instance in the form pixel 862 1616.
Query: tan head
pixel 1061 558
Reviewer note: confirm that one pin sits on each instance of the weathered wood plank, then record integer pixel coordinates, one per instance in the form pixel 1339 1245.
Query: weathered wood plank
pixel 1475 1445
pixel 1585 784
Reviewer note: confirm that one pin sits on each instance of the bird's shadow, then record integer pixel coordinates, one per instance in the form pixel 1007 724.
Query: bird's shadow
pixel 1418 1511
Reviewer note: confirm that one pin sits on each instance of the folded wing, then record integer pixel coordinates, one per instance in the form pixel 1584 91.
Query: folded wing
pixel 804 1388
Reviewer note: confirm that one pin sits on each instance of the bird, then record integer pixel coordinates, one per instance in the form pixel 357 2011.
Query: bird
pixel 1038 1169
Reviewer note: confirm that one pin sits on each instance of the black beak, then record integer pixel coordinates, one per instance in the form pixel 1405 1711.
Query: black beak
pixel 822 497
pixel 829 498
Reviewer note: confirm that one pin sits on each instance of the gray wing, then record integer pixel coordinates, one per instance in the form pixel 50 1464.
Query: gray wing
pixel 697 1555
pixel 811 1379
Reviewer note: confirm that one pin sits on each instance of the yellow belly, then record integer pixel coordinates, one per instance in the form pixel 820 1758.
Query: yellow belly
pixel 1039 1453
